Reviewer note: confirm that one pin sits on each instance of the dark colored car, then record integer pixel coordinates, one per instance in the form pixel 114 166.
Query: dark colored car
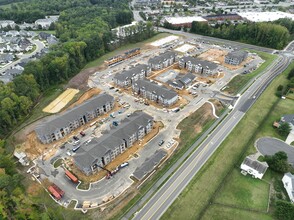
pixel 161 142
pixel 75 138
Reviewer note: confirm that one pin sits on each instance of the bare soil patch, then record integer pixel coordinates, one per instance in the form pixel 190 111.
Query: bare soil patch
pixel 80 81
pixel 218 56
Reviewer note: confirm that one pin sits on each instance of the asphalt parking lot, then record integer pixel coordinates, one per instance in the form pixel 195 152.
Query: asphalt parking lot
pixel 270 146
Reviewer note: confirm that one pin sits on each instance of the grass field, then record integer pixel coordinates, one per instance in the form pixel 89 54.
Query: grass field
pixel 244 192
pixel 219 212
pixel 100 60
pixel 238 82
pixel 196 198
pixel 46 31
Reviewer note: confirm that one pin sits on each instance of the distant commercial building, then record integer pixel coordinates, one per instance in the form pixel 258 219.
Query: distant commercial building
pixel 58 126
pixel 254 167
pixel 124 31
pixel 184 21
pixel 288 181
pixel 236 57
pixel 265 16
pixel 154 92
pixel 147 2
pixel 162 61
pixel 198 66
pixel 127 77
pixel 6 23
pixel 98 152
pixel 223 17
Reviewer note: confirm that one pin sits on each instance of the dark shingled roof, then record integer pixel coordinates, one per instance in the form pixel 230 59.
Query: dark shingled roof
pixel 98 147
pixel 127 74
pixel 196 61
pixel 61 120
pixel 156 89
pixel 255 164
pixel 288 118
pixel 162 57
pixel 149 164
pixel 240 54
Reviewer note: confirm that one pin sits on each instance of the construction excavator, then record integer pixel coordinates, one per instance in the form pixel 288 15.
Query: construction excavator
pixel 109 174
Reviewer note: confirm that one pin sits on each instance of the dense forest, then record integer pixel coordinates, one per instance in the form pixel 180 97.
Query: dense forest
pixel 85 34
pixel 84 29
pixel 261 34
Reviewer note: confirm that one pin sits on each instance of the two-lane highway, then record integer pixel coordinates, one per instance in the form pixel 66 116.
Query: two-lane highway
pixel 166 195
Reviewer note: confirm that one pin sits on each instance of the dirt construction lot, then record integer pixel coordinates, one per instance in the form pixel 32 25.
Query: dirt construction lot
pixel 61 101
pixel 218 56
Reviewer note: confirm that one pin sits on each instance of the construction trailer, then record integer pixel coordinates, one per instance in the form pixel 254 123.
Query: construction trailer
pixel 72 177
pixel 54 193
pixel 58 190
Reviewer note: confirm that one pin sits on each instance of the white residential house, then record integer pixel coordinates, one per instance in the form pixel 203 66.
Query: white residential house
pixel 45 23
pixel 254 167
pixel 288 181
pixel 6 23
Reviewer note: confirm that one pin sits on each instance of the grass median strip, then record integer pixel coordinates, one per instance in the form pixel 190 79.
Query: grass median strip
pixel 239 81
pixel 196 197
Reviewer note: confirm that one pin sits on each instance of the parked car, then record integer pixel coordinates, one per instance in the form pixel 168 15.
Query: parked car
pixel 75 138
pixel 161 143
pixel 82 133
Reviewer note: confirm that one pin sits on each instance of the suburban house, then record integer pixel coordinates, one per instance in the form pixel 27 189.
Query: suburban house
pixel 288 181
pixel 6 23
pixel 98 152
pixel 154 92
pixel 182 81
pixel 254 167
pixel 236 57
pixel 58 126
pixel 6 58
pixel 127 77
pixel 45 23
pixel 198 66
pixel 162 60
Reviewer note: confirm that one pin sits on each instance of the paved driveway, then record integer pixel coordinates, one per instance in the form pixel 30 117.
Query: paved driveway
pixel 270 146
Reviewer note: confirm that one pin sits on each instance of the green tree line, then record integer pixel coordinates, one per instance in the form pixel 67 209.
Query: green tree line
pixel 261 34
pixel 85 34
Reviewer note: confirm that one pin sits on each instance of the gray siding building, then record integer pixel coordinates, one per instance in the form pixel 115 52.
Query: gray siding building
pixel 127 77
pixel 58 126
pixel 236 57
pixel 162 60
pixel 98 152
pixel 198 66
pixel 154 92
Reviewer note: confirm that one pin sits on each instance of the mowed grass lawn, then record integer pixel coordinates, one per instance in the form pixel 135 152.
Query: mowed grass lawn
pixel 239 81
pixel 244 192
pixel 100 60
pixel 218 212
pixel 196 198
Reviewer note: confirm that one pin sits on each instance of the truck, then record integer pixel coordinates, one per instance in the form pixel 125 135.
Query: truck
pixel 58 190
pixel 54 193
pixel 72 177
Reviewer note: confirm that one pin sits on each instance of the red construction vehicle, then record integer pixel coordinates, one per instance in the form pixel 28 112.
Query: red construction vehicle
pixel 58 190
pixel 54 193
pixel 72 177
